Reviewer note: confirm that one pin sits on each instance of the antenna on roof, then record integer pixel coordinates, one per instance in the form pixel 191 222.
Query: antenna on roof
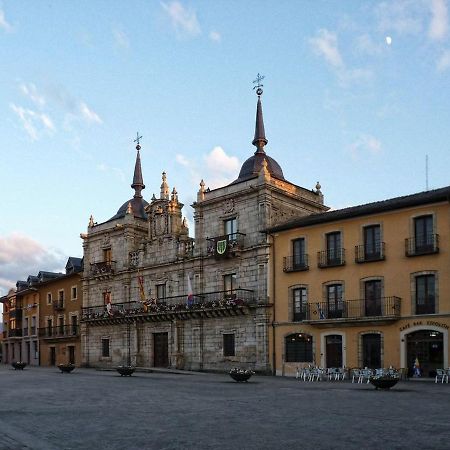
pixel 426 172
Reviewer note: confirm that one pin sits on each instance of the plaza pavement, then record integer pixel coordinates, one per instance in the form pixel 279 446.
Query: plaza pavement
pixel 41 408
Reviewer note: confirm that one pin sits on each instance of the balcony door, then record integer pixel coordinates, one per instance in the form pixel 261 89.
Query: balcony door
pixel 335 304
pixel 298 254
pixel 372 242
pixel 334 248
pixel 372 298
pixel 423 234
pixel 161 350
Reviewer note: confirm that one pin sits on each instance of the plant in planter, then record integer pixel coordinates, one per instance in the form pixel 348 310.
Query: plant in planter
pixel 66 368
pixel 240 375
pixel 385 379
pixel 125 371
pixel 18 365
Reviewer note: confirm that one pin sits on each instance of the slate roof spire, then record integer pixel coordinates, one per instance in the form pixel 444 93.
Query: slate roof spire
pixel 259 140
pixel 138 182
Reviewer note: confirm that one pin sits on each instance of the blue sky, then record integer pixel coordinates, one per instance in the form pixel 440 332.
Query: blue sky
pixel 356 94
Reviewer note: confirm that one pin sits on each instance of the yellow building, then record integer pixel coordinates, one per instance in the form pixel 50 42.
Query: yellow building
pixel 60 305
pixel 366 286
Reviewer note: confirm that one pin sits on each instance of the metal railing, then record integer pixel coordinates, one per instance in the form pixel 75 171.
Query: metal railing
pixel 60 331
pixel 331 258
pixel 15 313
pixel 103 268
pixel 364 254
pixel 295 263
pixel 382 307
pixel 58 305
pixel 179 303
pixel 425 245
pixel 15 333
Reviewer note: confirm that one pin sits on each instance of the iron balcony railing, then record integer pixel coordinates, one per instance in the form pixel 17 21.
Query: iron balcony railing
pixel 364 253
pixel 61 331
pixel 295 263
pixel 225 245
pixel 423 245
pixel 15 313
pixel 15 333
pixel 331 258
pixel 58 305
pixel 103 268
pixel 179 303
pixel 381 307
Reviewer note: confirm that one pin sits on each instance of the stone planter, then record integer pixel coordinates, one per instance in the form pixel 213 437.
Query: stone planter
pixel 18 365
pixel 240 376
pixel 383 382
pixel 125 371
pixel 66 368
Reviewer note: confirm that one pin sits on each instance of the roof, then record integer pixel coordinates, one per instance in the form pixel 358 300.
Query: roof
pixel 74 265
pixel 138 205
pixel 421 198
pixel 254 164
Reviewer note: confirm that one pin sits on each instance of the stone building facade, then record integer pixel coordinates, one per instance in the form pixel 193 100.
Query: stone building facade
pixel 153 296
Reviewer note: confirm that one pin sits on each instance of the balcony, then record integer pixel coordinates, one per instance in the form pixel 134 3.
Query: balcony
pixel 361 310
pixel 425 245
pixel 58 305
pixel 15 333
pixel 103 269
pixel 295 263
pixel 225 246
pixel 364 254
pixel 25 332
pixel 207 305
pixel 331 258
pixel 59 332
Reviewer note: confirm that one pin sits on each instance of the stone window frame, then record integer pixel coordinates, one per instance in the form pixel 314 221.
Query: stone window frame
pixel 49 298
pixel 325 234
pixel 360 346
pixel 102 355
pixel 72 288
pixel 291 299
pixel 225 346
pixel 413 217
pixel 325 285
pixel 413 277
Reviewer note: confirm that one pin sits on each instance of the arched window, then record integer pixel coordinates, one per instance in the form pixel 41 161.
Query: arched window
pixel 298 348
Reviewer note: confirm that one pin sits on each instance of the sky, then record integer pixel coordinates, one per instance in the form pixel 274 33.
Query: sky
pixel 356 96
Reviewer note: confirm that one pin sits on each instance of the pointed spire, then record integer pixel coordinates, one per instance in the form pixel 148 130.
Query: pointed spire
pixel 259 140
pixel 138 182
pixel 164 194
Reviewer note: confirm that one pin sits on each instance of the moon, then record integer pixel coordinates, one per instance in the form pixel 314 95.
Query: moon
pixel 388 40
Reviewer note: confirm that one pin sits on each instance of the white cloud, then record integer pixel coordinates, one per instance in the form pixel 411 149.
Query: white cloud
pixel 88 114
pixel 222 169
pixel 365 144
pixel 365 44
pixel 20 256
pixel 4 23
pixel 183 20
pixel 102 167
pixel 325 44
pixel 30 91
pixel 401 16
pixel 444 61
pixel 215 36
pixel 439 20
pixel 33 122
pixel 121 38
pixel 181 159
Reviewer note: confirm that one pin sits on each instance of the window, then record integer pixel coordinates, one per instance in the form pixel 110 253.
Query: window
pixel 300 304
pixel 49 327
pixel 298 348
pixel 49 298
pixel 334 248
pixel 105 347
pixel 230 228
pixel 372 291
pixel 74 292
pixel 107 256
pixel 335 304
pixel 228 344
pixel 423 234
pixel 298 254
pixel 425 294
pixel 372 242
pixel 161 291
pixel 74 325
pixel 25 327
pixel 61 326
pixel 61 298
pixel 35 349
pixel 33 325
pixel 229 283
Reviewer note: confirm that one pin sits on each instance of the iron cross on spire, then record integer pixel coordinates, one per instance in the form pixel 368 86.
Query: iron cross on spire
pixel 258 86
pixel 138 147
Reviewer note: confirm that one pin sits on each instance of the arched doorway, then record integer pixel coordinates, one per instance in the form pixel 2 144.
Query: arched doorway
pixel 333 350
pixel 428 347
pixel 371 350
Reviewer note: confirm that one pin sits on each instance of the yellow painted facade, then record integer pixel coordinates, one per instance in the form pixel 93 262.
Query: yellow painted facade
pixel 381 297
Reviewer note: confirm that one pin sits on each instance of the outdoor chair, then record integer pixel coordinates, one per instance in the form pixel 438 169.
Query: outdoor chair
pixel 365 375
pixel 356 375
pixel 441 376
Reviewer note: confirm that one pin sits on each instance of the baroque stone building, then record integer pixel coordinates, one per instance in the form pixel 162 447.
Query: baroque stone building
pixel 154 296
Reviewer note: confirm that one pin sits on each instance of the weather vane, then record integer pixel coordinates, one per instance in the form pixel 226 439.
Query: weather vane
pixel 258 86
pixel 138 147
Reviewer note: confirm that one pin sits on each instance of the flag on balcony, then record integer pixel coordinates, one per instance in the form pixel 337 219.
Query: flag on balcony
pixel 141 287
pixel 320 311
pixel 190 294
